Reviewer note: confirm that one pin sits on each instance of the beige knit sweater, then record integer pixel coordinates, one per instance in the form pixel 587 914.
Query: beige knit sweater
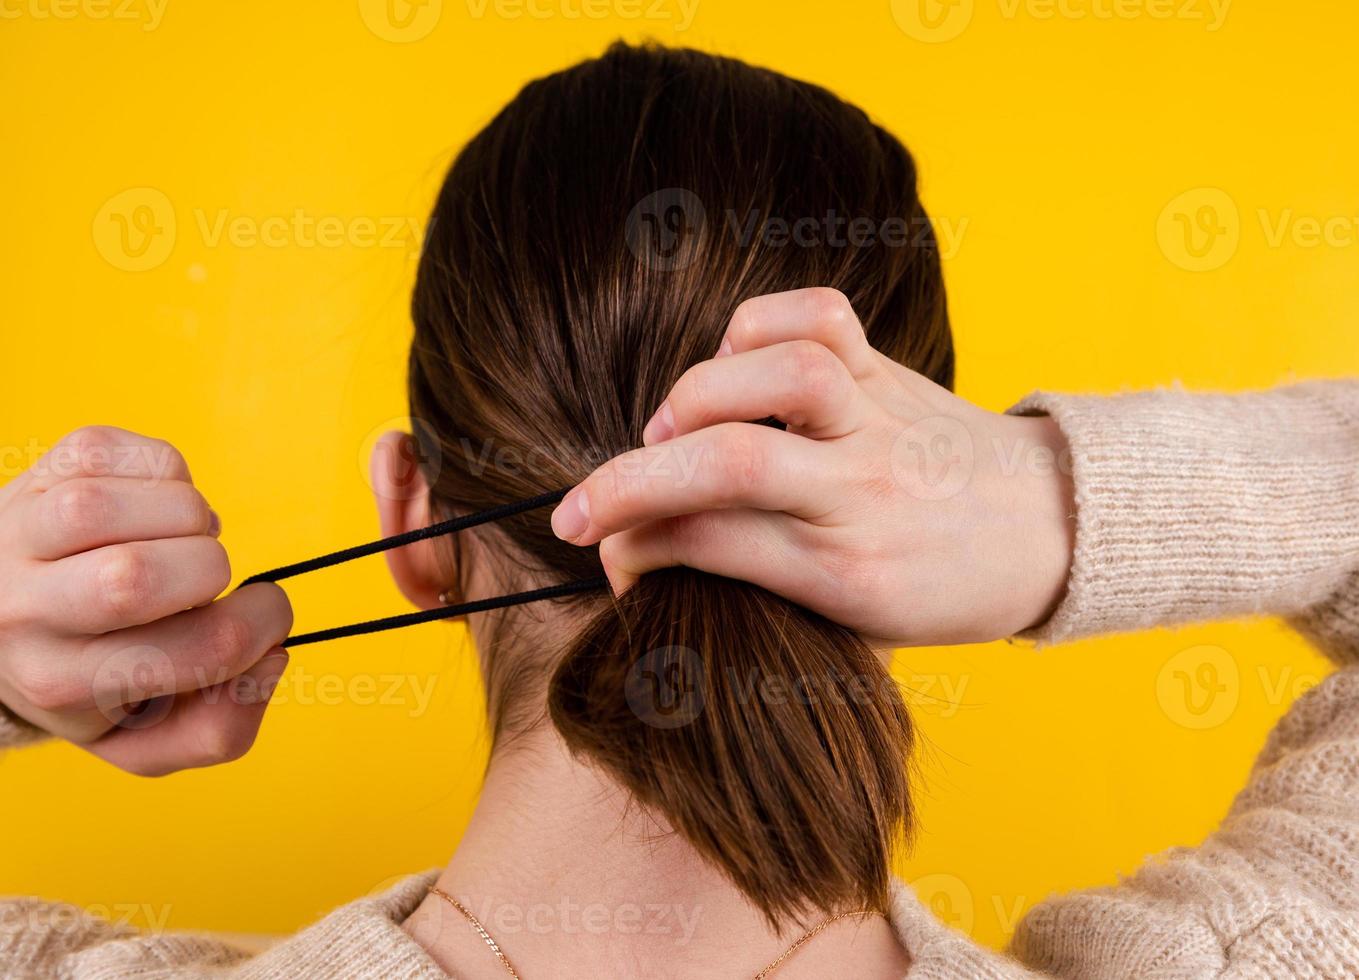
pixel 1189 507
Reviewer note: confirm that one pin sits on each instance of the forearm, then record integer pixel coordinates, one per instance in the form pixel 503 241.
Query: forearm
pixel 1200 507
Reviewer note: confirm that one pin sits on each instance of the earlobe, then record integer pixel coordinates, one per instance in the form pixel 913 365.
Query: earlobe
pixel 402 497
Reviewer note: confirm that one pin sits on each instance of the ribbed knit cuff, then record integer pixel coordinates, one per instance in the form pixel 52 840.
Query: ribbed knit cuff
pixel 14 731
pixel 1198 507
pixel 1333 626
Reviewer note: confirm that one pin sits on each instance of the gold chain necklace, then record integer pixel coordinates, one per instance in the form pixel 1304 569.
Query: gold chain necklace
pixel 807 937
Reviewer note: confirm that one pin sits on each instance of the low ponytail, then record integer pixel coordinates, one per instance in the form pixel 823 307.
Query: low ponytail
pixel 588 246
pixel 772 740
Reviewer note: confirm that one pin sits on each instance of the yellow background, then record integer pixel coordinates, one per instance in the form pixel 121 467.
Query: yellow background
pixel 1069 154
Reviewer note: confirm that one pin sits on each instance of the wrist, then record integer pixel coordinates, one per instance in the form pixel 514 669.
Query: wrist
pixel 1044 518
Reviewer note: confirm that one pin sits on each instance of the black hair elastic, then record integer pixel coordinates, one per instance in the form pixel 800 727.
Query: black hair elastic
pixel 410 537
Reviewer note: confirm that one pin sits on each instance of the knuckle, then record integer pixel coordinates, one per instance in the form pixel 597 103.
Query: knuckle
pixel 169 462
pixel 87 450
pixel 89 437
pixel 194 508
pixel 219 567
pixel 78 507
pixel 829 306
pixel 741 328
pixel 127 581
pixel 46 689
pixel 225 741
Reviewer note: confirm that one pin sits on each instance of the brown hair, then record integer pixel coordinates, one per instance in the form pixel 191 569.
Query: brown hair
pixel 587 246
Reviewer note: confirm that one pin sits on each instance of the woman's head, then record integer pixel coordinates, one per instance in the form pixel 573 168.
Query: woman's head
pixel 589 245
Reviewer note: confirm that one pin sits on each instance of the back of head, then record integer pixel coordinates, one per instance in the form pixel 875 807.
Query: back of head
pixel 589 245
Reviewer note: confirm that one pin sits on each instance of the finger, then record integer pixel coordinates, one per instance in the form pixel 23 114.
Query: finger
pixel 91 512
pixel 799 383
pixel 818 314
pixel 202 728
pixel 755 546
pixel 733 464
pixel 103 450
pixel 38 685
pixel 82 695
pixel 190 651
pixel 124 585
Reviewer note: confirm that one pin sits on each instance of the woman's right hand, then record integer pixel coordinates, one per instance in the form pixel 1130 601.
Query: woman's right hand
pixel 109 635
pixel 890 505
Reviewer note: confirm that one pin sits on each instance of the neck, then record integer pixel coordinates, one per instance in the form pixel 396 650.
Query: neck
pixel 571 881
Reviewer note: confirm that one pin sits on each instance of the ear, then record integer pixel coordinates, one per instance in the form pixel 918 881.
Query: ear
pixel 402 497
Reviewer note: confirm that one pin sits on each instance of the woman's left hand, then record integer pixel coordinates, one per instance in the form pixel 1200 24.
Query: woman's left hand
pixel 889 505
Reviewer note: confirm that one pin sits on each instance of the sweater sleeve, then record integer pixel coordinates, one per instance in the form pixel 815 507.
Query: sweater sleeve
pixel 1195 507
pixel 1200 507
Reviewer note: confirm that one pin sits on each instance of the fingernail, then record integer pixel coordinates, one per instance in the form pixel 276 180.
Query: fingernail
pixel 725 349
pixel 214 523
pixel 276 662
pixel 661 427
pixel 258 684
pixel 572 516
